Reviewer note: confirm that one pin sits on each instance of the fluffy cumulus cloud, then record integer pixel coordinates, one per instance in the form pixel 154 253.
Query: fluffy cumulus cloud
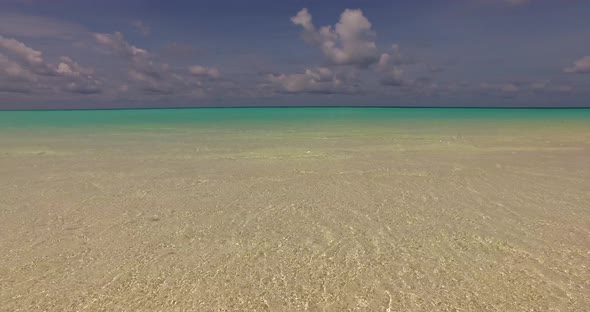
pixel 348 62
pixel 32 58
pixel 318 80
pixel 581 66
pixel 12 70
pixel 70 68
pixel 350 42
pixel 389 67
pixel 24 70
pixel 14 77
pixel 78 79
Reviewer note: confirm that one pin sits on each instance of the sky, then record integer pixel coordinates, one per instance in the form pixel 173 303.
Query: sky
pixel 157 53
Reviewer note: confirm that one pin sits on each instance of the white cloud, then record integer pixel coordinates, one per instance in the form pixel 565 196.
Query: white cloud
pixel 203 71
pixel 581 66
pixel 79 79
pixel 151 83
pixel 116 43
pixel 388 67
pixel 32 57
pixel 303 18
pixel 350 42
pixel 548 86
pixel 152 76
pixel 509 89
pixel 28 71
pixel 318 80
pixel 83 87
pixel 11 70
pixel 69 67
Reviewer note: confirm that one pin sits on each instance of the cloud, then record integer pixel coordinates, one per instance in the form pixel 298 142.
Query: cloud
pixel 70 68
pixel 13 71
pixel 26 71
pixel 83 87
pixel 32 57
pixel 511 89
pixel 203 71
pixel 549 86
pixel 78 79
pixel 389 70
pixel 14 78
pixel 141 27
pixel 318 80
pixel 116 43
pixel 153 79
pixel 22 25
pixel 350 42
pixel 151 76
pixel 581 66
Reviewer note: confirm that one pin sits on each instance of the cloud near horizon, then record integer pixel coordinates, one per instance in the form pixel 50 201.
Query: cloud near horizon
pixel 350 46
pixel 345 52
pixel 153 77
pixel 26 71
pixel 319 80
pixel 581 66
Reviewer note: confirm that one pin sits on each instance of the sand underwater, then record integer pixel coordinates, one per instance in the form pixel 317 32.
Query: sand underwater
pixel 295 209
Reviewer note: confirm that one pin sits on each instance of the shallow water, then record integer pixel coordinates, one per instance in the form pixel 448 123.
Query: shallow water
pixel 295 209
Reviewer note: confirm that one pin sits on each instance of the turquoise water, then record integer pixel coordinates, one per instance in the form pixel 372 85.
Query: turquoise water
pixel 272 116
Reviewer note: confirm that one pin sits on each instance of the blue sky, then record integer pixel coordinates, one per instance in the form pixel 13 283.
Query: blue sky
pixel 93 54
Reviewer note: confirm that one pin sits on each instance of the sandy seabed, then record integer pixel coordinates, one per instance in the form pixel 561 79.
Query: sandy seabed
pixel 453 219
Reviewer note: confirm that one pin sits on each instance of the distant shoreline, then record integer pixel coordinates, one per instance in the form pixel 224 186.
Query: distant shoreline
pixel 291 107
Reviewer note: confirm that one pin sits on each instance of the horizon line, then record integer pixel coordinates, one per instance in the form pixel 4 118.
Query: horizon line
pixel 293 106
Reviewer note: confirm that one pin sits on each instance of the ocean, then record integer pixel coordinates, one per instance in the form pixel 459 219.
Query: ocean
pixel 278 116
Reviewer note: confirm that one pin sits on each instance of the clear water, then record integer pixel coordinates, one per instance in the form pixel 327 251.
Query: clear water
pixel 263 117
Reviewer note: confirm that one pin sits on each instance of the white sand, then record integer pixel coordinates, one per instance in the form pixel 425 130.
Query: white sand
pixel 289 221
